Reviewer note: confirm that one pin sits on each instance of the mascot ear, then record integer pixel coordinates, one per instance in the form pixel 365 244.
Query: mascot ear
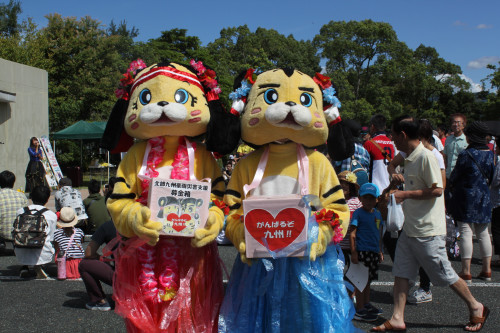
pixel 340 142
pixel 223 129
pixel 115 138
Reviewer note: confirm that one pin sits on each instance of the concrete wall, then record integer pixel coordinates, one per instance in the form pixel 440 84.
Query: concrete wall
pixel 26 117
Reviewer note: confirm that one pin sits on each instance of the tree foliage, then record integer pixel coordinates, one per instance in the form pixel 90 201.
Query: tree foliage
pixel 373 71
pixel 8 18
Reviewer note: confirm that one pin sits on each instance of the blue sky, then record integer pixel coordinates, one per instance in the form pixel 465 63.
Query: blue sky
pixel 466 33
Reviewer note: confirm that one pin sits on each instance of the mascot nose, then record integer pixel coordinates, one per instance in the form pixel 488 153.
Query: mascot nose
pixel 162 103
pixel 290 103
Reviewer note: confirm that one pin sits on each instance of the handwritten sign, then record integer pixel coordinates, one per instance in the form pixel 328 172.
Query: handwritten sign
pixel 277 224
pixel 181 205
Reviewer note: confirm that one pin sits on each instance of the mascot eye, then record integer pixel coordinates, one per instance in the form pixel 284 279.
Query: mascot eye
pixel 306 99
pixel 181 96
pixel 145 97
pixel 271 96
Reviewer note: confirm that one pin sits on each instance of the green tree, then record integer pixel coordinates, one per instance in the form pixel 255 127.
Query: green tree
pixel 8 18
pixel 85 70
pixel 352 47
pixel 238 49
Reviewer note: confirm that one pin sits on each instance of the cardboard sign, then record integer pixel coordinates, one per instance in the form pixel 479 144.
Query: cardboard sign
pixel 277 223
pixel 181 205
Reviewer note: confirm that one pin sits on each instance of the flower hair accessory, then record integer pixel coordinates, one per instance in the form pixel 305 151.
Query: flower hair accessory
pixel 239 96
pixel 333 104
pixel 128 79
pixel 207 78
pixel 332 218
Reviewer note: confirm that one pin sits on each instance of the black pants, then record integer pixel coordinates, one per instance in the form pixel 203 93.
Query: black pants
pixel 93 272
pixel 495 229
pixel 390 244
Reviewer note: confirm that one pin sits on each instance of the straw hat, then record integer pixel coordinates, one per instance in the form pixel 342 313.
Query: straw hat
pixel 67 218
pixel 349 177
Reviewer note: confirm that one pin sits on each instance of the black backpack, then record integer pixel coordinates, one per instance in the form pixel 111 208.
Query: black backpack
pixel 29 229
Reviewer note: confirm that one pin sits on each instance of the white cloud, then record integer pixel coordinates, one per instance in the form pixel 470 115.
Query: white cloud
pixel 484 26
pixel 459 23
pixel 474 87
pixel 482 62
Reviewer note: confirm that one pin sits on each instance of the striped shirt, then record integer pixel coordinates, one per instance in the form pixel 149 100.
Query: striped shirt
pixel 75 250
pixel 10 202
pixel 353 204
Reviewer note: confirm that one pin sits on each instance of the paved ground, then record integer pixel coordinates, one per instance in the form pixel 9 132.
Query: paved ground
pixel 30 305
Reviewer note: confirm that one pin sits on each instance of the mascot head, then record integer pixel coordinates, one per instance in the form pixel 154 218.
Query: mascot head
pixel 285 105
pixel 170 99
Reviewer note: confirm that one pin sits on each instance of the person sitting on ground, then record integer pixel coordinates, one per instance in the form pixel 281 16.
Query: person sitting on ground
pixel 67 196
pixel 95 206
pixel 69 239
pixel 38 256
pixel 366 247
pixel 94 270
pixel 10 202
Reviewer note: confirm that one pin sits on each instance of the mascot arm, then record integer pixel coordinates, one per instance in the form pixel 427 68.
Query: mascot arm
pixel 235 228
pixel 129 216
pixel 215 221
pixel 332 198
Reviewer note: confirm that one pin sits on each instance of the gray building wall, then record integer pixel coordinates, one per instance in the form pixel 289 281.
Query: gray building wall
pixel 26 117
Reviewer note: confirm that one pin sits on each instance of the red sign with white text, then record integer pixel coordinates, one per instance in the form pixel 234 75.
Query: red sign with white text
pixel 281 222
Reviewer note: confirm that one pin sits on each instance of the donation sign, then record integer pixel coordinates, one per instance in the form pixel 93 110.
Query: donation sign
pixel 181 205
pixel 277 224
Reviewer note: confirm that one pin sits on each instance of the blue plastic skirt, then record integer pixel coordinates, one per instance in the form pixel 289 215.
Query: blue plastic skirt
pixel 288 295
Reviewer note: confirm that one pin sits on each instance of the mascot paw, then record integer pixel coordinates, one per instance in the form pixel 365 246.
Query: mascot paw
pixel 207 234
pixel 144 228
pixel 242 249
pixel 325 234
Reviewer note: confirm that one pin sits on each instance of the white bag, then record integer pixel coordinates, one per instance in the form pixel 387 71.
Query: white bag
pixel 395 215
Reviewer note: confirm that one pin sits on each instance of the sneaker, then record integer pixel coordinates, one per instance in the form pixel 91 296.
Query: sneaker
pixel 373 310
pixel 24 272
pixel 420 296
pixel 364 315
pixel 98 306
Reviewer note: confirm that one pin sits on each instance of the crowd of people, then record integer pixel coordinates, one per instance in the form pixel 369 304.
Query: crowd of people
pixel 63 233
pixel 436 175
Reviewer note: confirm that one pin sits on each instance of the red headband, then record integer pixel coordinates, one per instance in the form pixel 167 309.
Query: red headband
pixel 170 72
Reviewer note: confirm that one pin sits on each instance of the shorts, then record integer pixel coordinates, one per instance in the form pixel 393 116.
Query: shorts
pixel 370 259
pixel 426 252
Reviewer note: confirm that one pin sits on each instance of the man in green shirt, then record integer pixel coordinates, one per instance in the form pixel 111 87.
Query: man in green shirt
pixel 455 143
pixel 95 206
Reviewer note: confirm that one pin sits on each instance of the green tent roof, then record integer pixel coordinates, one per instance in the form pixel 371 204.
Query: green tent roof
pixel 82 130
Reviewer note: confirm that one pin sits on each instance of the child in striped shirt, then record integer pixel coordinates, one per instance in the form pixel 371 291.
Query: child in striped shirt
pixel 68 240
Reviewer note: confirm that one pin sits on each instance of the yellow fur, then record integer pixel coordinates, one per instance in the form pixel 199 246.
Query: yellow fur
pixel 132 218
pixel 290 90
pixel 264 123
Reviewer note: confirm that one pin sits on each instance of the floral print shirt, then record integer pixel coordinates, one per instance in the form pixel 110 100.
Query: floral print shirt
pixel 470 188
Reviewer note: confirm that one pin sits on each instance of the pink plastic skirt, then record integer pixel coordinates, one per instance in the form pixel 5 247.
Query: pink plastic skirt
pixel 198 280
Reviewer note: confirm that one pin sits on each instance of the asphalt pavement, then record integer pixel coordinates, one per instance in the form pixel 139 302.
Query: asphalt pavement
pixel 30 305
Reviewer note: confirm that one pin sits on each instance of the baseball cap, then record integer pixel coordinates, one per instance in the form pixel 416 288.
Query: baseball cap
pixel 369 188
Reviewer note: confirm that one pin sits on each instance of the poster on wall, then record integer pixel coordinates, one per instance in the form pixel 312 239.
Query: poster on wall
pixel 53 172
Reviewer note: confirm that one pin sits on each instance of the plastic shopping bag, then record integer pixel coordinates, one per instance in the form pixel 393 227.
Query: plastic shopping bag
pixel 395 216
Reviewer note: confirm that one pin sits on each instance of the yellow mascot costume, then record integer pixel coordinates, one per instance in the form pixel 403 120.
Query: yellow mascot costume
pixel 284 113
pixel 166 283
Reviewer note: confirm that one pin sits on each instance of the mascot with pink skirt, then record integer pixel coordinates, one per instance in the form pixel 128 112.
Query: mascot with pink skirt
pixel 168 274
